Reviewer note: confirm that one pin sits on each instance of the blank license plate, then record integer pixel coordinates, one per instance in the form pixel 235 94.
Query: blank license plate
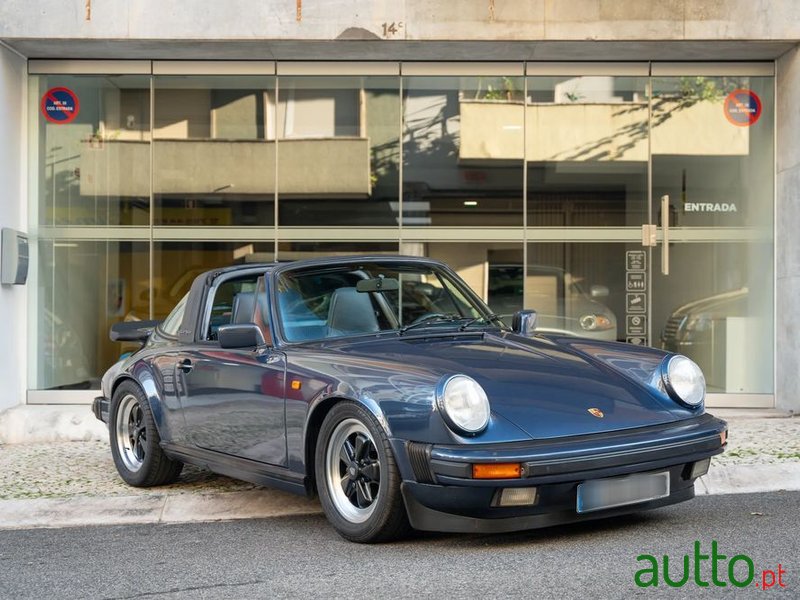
pixel 600 494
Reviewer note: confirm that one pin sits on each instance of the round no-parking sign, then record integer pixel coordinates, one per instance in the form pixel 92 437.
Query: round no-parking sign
pixel 742 107
pixel 60 105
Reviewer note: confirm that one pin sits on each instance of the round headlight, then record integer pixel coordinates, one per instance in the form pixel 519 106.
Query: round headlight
pixel 463 404
pixel 684 381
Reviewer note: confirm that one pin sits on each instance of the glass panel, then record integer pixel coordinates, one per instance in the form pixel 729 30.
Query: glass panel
pixel 177 264
pixel 717 169
pixel 301 250
pixel 224 307
pixel 483 266
pixel 172 323
pixel 580 289
pixel 587 146
pixel 84 288
pixel 716 307
pixel 93 167
pixel 317 303
pixel 339 156
pixel 462 151
pixel 214 152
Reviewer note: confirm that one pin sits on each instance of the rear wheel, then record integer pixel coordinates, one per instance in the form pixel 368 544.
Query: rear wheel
pixel 135 443
pixel 357 478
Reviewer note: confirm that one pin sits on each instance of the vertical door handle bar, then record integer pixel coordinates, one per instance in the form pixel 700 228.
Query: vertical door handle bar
pixel 665 235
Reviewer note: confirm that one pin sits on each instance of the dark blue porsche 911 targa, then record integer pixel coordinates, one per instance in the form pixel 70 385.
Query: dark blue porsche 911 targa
pixel 386 386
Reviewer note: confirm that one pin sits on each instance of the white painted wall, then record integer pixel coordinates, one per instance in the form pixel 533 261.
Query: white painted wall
pixel 13 213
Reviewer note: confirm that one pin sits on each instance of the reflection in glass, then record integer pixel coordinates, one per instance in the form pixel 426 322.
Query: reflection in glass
pixel 716 307
pixel 462 151
pixel 339 150
pixel 214 151
pixel 587 150
pixel 176 264
pixel 716 172
pixel 84 288
pixel 94 170
pixel 302 250
pixel 577 288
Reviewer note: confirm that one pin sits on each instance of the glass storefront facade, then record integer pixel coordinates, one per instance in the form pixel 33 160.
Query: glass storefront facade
pixel 545 185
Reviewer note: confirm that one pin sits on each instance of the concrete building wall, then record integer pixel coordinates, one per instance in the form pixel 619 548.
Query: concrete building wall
pixel 787 238
pixel 13 189
pixel 403 20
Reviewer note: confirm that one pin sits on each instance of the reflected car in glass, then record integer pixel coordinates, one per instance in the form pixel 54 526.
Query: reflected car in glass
pixel 388 388
pixel 700 330
pixel 562 304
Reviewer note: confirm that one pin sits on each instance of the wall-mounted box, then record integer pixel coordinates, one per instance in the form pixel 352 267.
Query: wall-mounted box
pixel 14 257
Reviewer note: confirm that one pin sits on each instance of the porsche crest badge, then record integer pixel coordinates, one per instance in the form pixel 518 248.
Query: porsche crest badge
pixel 596 412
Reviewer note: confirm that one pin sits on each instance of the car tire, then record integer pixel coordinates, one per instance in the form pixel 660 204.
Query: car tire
pixel 359 488
pixel 135 443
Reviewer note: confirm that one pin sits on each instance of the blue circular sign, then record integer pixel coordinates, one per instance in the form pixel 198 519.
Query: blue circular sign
pixel 60 105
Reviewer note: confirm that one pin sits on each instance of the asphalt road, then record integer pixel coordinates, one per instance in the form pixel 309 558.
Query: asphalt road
pixel 303 557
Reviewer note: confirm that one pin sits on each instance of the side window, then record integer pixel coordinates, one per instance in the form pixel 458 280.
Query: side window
pixel 233 302
pixel 172 323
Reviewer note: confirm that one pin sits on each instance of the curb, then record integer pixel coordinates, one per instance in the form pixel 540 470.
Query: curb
pixel 263 503
pixel 50 513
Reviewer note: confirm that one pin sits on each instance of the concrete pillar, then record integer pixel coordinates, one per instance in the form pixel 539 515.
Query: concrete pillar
pixel 787 240
pixel 13 213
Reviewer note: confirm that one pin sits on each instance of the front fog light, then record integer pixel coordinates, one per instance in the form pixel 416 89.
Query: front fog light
pixel 700 468
pixel 517 497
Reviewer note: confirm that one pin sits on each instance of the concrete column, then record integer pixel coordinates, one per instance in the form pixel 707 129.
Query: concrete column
pixel 787 241
pixel 13 213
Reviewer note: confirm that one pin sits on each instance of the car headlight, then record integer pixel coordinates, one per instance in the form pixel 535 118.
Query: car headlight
pixel 593 322
pixel 684 381
pixel 463 404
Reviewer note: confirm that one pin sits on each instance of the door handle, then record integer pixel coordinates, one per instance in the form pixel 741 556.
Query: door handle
pixel 185 365
pixel 665 235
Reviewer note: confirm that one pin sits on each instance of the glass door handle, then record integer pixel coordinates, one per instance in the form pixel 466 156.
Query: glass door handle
pixel 665 235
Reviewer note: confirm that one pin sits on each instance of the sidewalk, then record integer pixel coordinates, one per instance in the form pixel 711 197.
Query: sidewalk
pixel 62 484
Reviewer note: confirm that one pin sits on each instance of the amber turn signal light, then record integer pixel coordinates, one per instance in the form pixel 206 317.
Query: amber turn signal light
pixel 497 471
pixel 723 437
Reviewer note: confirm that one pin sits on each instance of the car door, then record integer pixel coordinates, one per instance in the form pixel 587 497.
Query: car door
pixel 233 399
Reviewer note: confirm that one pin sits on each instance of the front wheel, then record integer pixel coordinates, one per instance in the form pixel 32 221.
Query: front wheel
pixel 135 443
pixel 357 478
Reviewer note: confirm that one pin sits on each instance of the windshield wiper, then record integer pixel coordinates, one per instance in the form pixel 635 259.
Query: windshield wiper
pixel 487 318
pixel 429 319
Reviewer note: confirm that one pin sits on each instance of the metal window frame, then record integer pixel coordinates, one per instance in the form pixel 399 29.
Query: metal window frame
pixel 398 233
pixel 89 67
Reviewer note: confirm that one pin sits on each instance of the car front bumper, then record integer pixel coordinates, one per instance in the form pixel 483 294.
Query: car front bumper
pixel 100 408
pixel 441 495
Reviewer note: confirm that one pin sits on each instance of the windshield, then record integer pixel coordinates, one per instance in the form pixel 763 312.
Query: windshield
pixel 328 302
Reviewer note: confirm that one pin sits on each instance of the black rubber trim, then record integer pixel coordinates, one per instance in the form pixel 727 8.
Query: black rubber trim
pixel 100 406
pixel 623 457
pixel 242 468
pixel 419 455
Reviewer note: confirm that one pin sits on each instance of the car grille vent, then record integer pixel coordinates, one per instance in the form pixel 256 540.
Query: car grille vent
pixel 420 457
pixel 672 326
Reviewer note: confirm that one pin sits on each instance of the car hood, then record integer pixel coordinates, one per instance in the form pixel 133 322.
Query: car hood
pixel 545 386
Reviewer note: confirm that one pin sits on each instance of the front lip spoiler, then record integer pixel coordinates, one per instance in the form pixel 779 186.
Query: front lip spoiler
pixel 429 519
pixel 588 456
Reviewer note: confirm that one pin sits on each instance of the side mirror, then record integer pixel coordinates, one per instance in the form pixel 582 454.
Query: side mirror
pixel 243 335
pixel 524 322
pixel 598 291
